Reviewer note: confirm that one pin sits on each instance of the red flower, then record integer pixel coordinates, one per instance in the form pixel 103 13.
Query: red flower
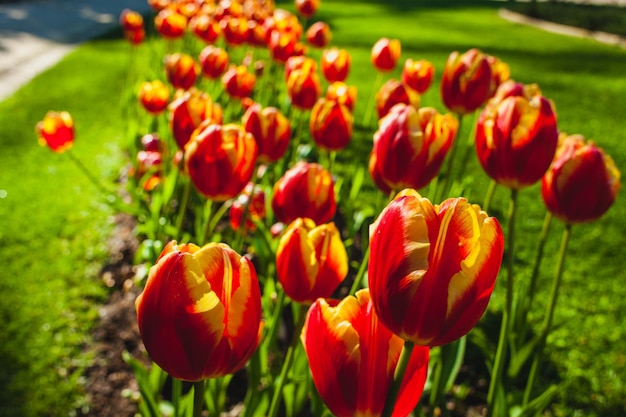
pixel 220 159
pixel 432 269
pixel 271 130
pixel 307 8
pixel 238 81
pixel 182 70
pixel 335 64
pixel 305 190
pixel 582 182
pixel 199 314
pixel 319 34
pixel 213 60
pixel 170 24
pixel 311 261
pixel 235 30
pixel 188 111
pixel 56 131
pixel 154 96
pixel 303 85
pixel 385 54
pixel 252 202
pixel 331 124
pixel 343 93
pixel 282 45
pixel 392 93
pixel 466 83
pixel 205 27
pixel 353 357
pixel 418 75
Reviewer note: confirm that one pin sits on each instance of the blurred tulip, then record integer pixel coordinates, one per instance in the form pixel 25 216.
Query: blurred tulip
pixel 282 45
pixel 158 4
pixel 182 70
pixel 335 64
pixel 352 357
pixel 188 111
pixel 135 37
pixel 432 269
pixel 343 93
pixel 516 136
pixel 319 34
pixel 235 30
pixel 205 27
pixel 284 21
pixel 130 20
pixel 500 72
pixel 307 8
pixel 56 131
pixel 154 96
pixel 199 314
pixel 311 261
pixel 213 61
pixel 271 130
pixel 303 86
pixel 305 190
pixel 394 92
pixel 152 143
pixel 385 54
pixel 298 62
pixel 331 124
pixel 466 83
pixel 170 24
pixel 257 34
pixel 238 81
pixel 582 182
pixel 148 168
pixel 418 75
pixel 251 202
pixel 220 159
pixel 410 147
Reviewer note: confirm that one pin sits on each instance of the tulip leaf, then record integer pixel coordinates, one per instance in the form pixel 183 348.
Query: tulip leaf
pixel 522 356
pixel 537 405
pixel 148 394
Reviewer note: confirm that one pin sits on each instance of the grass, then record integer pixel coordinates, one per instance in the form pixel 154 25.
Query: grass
pixel 53 244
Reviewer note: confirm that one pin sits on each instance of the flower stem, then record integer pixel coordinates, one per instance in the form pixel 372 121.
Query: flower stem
pixel 547 324
pixel 370 102
pixel 504 329
pixel 177 388
pixel 183 209
pixel 359 275
pixel 449 164
pixel 198 397
pixel 398 376
pixel 92 178
pixel 489 195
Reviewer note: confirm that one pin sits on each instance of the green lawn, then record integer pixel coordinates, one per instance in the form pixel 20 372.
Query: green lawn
pixel 54 228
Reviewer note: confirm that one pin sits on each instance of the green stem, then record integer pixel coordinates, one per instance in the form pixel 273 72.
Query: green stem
pixel 489 195
pixel 183 209
pixel 370 101
pixel 449 164
pixel 498 365
pixel 359 275
pixel 398 376
pixel 547 324
pixel 177 389
pixel 92 178
pixel 198 397
pixel 282 379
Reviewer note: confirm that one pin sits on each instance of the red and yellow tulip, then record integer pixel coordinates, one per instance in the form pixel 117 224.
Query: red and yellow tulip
pixel 154 96
pixel 56 131
pixel 393 92
pixel 353 357
pixel 303 85
pixel 170 23
pixel 311 261
pixel 331 124
pixel 213 61
pixel 182 70
pixel 343 93
pixel 307 8
pixel 199 314
pixel 466 83
pixel 418 75
pixel 385 54
pixel 271 130
pixel 238 81
pixel 335 64
pixel 251 202
pixel 432 268
pixel 188 111
pixel 319 34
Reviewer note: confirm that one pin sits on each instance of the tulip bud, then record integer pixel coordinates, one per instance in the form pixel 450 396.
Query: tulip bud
pixel 238 81
pixel 303 86
pixel 250 202
pixel 307 8
pixel 213 60
pixel 188 111
pixel 170 24
pixel 154 96
pixel 319 34
pixel 385 54
pixel 56 131
pixel 205 27
pixel 466 83
pixel 181 69
pixel 418 75
pixel 335 64
pixel 271 131
pixel 392 93
pixel 331 124
pixel 343 93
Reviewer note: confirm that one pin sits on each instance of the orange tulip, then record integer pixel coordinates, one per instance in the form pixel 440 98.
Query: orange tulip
pixel 319 34
pixel 335 64
pixel 305 190
pixel 516 136
pixel 188 111
pixel 343 93
pixel 331 124
pixel 311 261
pixel 303 86
pixel 432 269
pixel 307 8
pixel 130 20
pixel 385 54
pixel 582 182
pixel 252 202
pixel 170 24
pixel 238 81
pixel 56 131
pixel 154 96
pixel 220 159
pixel 271 130
pixel 418 75
pixel 213 61
pixel 392 93
pixel 205 27
pixel 410 147
pixel 182 70
pixel 466 83
pixel 199 314
pixel 352 357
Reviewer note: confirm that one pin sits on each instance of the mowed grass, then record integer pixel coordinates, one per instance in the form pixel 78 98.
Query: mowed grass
pixel 54 228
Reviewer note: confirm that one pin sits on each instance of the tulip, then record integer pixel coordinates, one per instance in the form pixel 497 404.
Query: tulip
pixel 158 4
pixel 205 27
pixel 466 83
pixel 135 37
pixel 284 21
pixel 282 45
pixel 342 93
pixel 181 69
pixel 238 81
pixel 170 24
pixel 235 30
pixel 188 111
pixel 385 54
pixel 331 124
pixel 335 64
pixel 410 147
pixel 311 261
pixel 199 314
pixel 516 136
pixel 307 8
pixel 418 75
pixel 298 62
pixel 257 33
pixel 56 131
pixel 130 20
pixel 352 357
pixel 432 269
pixel 154 96
pixel 213 61
pixel 271 130
pixel 251 201
pixel 392 93
pixel 319 34
pixel 500 72
pixel 582 181
pixel 220 159
pixel 148 169
pixel 305 190
pixel 303 86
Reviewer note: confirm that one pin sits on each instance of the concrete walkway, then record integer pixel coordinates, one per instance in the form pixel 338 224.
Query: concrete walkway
pixel 35 35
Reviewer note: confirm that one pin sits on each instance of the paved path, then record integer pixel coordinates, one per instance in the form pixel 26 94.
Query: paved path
pixel 35 35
